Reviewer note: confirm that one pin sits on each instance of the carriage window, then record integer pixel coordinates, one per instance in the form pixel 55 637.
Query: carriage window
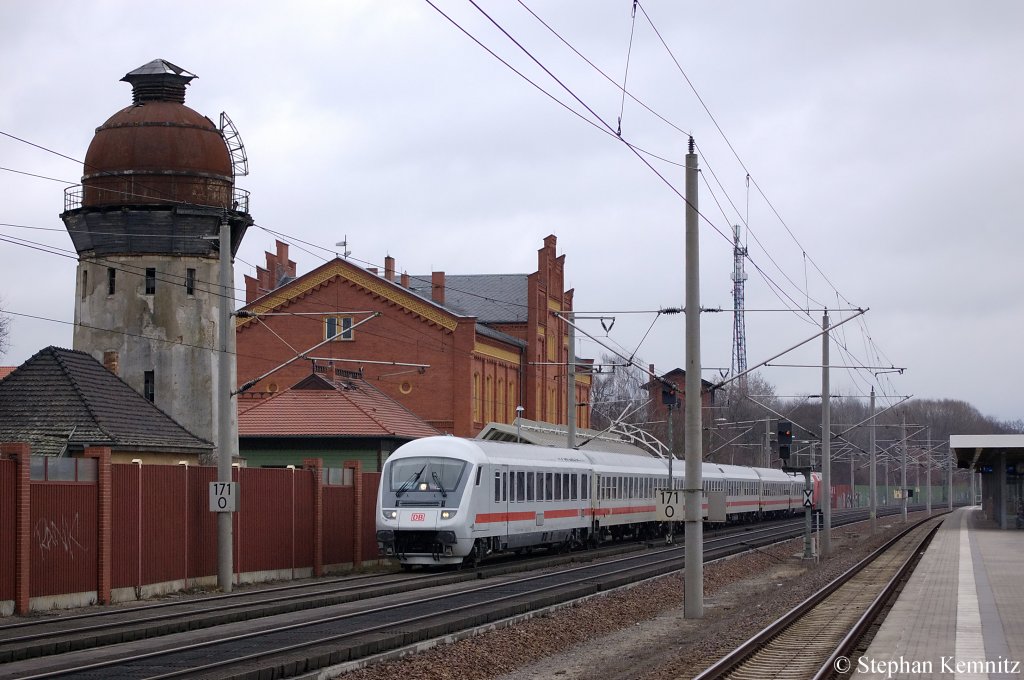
pixel 548 487
pixel 520 486
pixel 504 486
pixel 575 486
pixel 565 486
pixel 497 487
pixel 529 486
pixel 584 486
pixel 558 486
pixel 478 471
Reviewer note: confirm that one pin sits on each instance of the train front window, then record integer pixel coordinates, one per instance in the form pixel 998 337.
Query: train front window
pixel 426 474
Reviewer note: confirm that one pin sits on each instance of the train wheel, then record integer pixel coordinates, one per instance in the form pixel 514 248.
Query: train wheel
pixel 472 560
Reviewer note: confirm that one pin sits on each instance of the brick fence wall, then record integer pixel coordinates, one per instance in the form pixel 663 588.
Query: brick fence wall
pixel 148 528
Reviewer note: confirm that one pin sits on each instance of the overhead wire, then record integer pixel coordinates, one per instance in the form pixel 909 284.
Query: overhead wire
pixel 624 91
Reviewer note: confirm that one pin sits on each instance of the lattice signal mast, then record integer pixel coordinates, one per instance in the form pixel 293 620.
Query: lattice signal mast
pixel 739 333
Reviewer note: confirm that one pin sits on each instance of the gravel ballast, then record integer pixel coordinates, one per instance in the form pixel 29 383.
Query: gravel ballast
pixel 640 632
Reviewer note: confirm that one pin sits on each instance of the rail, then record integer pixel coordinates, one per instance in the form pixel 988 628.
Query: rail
pixel 758 657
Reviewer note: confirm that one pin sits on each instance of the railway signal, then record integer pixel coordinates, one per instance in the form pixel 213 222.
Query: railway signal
pixel 785 437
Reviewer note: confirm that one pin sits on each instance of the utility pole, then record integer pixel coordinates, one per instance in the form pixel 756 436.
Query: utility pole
pixel 826 445
pixel 872 478
pixel 767 442
pixel 928 475
pixel 903 478
pixel 853 487
pixel 917 473
pixel 949 481
pixel 570 388
pixel 226 441
pixel 671 456
pixel 693 578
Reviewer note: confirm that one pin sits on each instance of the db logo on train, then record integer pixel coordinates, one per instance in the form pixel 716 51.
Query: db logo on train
pixel 418 517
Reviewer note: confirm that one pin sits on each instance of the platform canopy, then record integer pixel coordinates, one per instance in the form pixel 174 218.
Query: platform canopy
pixel 982 451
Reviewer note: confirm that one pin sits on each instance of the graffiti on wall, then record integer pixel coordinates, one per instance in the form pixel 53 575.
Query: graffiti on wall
pixel 52 536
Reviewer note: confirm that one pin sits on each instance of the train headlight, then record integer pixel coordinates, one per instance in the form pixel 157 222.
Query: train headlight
pixel 390 514
pixel 448 514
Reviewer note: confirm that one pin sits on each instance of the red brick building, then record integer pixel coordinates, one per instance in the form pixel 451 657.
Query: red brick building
pixel 459 351
pixel 657 388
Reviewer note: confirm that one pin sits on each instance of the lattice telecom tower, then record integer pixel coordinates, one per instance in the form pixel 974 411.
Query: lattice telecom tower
pixel 739 333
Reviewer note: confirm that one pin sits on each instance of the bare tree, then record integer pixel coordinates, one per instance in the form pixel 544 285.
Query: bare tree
pixel 736 425
pixel 5 330
pixel 618 394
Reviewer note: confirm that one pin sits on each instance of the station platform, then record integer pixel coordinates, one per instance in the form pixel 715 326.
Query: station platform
pixel 961 614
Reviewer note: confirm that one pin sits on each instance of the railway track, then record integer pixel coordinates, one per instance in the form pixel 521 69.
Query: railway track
pixel 807 642
pixel 292 628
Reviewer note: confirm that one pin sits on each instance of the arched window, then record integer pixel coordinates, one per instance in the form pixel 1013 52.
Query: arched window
pixel 500 411
pixel 476 397
pixel 488 399
pixel 513 401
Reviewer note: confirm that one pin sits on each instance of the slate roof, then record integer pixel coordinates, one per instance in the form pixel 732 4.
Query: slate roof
pixel 64 399
pixel 318 407
pixel 489 332
pixel 491 298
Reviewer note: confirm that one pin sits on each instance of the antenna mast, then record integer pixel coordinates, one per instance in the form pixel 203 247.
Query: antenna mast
pixel 739 333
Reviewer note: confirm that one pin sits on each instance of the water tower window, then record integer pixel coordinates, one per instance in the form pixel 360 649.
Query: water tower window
pixel 190 281
pixel 111 277
pixel 150 280
pixel 85 282
pixel 149 385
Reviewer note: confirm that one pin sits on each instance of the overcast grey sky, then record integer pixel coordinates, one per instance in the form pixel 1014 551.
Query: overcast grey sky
pixel 886 136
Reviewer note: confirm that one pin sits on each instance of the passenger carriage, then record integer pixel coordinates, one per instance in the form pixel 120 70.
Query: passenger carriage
pixel 781 492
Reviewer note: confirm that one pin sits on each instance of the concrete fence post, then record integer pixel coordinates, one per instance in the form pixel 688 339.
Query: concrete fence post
pixel 357 512
pixel 23 525
pixel 103 521
pixel 316 466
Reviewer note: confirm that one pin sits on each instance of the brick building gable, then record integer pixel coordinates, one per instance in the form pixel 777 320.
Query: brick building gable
pixel 459 351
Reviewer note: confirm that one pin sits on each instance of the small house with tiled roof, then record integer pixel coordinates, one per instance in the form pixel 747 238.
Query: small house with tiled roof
pixel 336 417
pixel 61 401
pixel 459 351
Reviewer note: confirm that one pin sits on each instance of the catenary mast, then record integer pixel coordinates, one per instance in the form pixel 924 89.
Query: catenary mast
pixel 739 333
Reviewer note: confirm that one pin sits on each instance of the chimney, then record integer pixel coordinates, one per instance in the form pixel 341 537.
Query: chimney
pixel 405 279
pixel 437 287
pixel 389 268
pixel 111 362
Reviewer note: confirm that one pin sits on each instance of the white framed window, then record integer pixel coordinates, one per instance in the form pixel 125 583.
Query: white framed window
pixel 338 327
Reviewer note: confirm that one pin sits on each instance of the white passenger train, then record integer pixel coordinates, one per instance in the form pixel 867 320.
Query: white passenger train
pixel 443 500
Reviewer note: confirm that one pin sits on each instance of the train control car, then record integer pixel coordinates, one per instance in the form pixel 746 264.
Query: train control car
pixel 445 500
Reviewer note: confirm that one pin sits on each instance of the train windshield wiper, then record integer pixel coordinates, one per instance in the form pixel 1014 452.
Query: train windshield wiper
pixel 407 484
pixel 437 480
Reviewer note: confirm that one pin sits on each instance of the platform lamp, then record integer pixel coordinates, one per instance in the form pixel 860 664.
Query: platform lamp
pixel 519 425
